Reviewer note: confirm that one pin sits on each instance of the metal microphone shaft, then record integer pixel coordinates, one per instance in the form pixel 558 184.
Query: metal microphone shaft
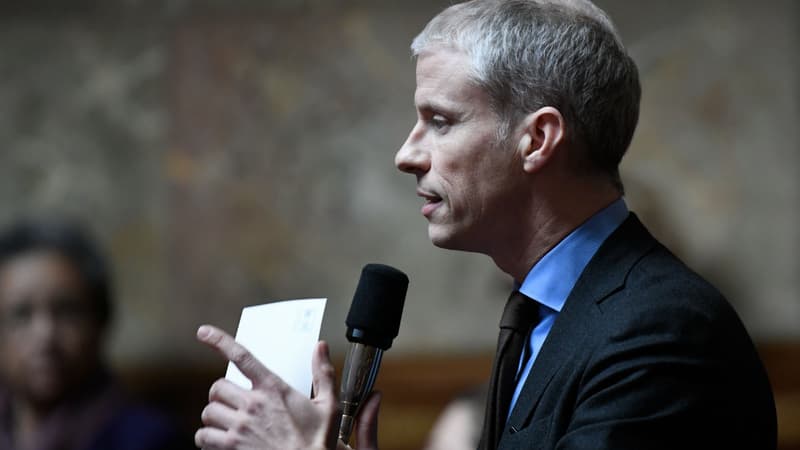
pixel 360 370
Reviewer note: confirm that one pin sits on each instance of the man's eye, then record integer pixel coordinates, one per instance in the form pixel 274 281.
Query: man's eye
pixel 438 121
pixel 18 316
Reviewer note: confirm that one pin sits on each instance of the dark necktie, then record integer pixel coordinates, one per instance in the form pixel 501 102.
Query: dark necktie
pixel 518 318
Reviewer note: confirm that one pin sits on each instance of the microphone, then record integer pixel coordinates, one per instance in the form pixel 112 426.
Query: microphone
pixel 372 324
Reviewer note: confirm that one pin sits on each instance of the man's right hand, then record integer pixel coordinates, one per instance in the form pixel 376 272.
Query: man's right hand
pixel 272 415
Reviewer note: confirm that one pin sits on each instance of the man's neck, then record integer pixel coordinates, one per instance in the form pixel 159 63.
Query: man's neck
pixel 550 220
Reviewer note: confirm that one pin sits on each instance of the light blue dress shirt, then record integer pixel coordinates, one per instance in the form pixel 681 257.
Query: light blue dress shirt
pixel 551 279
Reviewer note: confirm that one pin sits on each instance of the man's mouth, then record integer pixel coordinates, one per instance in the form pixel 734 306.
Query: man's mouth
pixel 432 201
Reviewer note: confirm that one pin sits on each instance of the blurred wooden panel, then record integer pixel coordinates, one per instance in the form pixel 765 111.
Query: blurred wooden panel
pixel 783 364
pixel 416 390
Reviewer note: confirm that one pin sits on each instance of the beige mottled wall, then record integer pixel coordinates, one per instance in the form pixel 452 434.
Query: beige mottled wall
pixel 230 153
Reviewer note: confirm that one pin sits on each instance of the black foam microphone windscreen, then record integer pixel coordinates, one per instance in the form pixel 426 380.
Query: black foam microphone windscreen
pixel 374 317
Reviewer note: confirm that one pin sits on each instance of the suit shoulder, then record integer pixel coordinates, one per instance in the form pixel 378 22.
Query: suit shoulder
pixel 660 289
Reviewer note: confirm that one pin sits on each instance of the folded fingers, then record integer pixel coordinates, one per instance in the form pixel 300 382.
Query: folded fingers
pixel 229 393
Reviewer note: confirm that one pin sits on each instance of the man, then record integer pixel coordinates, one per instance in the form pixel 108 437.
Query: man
pixel 525 109
pixel 55 309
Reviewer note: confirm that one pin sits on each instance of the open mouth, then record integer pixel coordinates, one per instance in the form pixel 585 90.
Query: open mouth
pixel 432 201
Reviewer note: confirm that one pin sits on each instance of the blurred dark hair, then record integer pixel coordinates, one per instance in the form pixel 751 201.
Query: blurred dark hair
pixel 72 242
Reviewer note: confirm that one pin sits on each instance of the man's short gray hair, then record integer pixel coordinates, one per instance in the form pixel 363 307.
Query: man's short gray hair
pixel 562 53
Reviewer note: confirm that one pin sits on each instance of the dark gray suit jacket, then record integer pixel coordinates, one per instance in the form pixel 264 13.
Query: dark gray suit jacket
pixel 644 355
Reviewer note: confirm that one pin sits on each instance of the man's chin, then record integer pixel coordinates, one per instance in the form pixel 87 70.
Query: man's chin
pixel 445 238
pixel 45 392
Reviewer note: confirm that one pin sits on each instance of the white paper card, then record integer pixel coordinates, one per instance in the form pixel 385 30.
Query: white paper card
pixel 282 335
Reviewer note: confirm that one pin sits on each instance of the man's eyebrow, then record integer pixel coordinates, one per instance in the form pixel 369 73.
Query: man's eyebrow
pixel 423 106
pixel 432 105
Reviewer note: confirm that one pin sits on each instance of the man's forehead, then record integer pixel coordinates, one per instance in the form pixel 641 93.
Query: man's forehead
pixel 444 78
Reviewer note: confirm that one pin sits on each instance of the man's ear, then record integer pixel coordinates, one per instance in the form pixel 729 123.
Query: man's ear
pixel 543 134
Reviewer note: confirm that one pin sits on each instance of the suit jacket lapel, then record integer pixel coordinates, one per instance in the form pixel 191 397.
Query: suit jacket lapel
pixel 604 274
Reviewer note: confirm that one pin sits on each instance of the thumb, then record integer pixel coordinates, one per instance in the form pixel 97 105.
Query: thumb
pixel 323 381
pixel 324 390
pixel 367 423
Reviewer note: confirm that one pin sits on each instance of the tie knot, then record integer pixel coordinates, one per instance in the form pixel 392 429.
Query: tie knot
pixel 520 313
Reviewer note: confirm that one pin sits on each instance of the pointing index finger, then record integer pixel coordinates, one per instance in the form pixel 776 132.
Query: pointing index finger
pixel 224 343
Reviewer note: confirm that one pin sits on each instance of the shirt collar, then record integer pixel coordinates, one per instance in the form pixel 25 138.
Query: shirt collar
pixel 551 279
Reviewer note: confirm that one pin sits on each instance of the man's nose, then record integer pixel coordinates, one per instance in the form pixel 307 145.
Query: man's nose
pixel 412 157
pixel 43 324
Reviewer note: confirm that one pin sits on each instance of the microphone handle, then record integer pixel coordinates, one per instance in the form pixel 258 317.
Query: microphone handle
pixel 359 373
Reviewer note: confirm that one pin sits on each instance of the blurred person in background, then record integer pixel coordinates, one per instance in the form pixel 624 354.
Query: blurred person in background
pixel 458 427
pixel 56 391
